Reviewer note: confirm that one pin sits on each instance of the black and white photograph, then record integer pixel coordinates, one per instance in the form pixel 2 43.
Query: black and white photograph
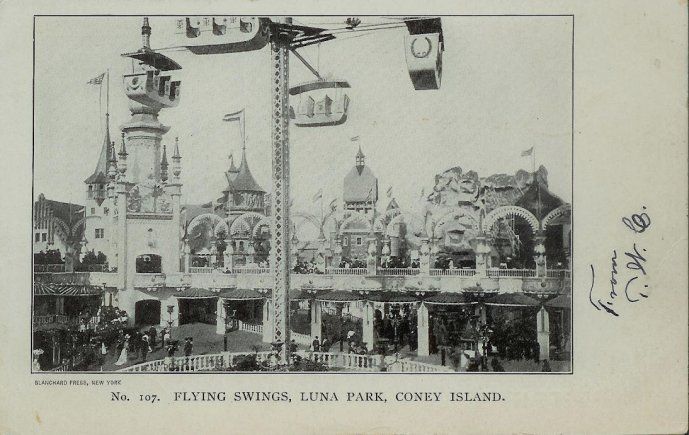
pixel 216 194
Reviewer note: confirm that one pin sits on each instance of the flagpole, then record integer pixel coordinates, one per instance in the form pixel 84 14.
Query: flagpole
pixel 533 160
pixel 107 95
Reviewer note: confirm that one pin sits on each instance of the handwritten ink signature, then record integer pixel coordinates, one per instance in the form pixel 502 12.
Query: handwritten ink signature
pixel 635 268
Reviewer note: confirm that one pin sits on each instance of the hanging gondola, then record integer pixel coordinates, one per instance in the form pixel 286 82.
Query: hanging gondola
pixel 319 103
pixel 424 47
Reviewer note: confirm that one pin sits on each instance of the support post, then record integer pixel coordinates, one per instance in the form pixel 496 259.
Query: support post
pixel 543 328
pixel 280 252
pixel 368 334
pixel 316 318
pixel 220 317
pixel 422 329
pixel 268 321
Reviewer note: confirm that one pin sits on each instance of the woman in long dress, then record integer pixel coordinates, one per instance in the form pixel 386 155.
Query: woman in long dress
pixel 123 355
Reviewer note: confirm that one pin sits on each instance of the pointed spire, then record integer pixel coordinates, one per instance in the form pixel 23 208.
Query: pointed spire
pixel 175 154
pixel 101 171
pixel 360 160
pixel 163 164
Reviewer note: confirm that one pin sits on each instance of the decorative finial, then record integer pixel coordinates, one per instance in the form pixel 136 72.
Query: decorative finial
pixel 176 160
pixel 123 149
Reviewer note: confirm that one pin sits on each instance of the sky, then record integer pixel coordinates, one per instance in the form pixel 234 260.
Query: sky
pixel 506 87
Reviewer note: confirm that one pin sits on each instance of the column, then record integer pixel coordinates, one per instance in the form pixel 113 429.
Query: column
pixel 539 253
pixel 187 256
pixel 316 318
pixel 228 257
pixel 425 257
pixel 422 331
pixel 368 334
pixel 543 328
pixel 372 259
pixel 60 305
pixel 482 254
pixel 220 317
pixel 268 321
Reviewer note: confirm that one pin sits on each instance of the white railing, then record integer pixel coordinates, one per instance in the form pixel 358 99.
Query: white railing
pixel 404 365
pixel 557 273
pixel 453 272
pixel 195 363
pixel 53 318
pixel 48 268
pixel 398 271
pixel 511 273
pixel 224 360
pixel 346 271
pixel 344 360
pixel 256 328
pixel 251 270
pixel 201 269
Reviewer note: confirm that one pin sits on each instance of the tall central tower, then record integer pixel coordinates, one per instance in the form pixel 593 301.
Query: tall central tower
pixel 147 195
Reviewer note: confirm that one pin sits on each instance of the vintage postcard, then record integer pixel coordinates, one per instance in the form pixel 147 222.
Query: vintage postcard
pixel 460 219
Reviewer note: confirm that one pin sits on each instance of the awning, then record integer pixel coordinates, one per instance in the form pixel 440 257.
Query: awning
pixel 300 295
pixel 512 300
pixel 340 296
pixel 449 299
pixel 196 293
pixel 392 297
pixel 561 301
pixel 239 294
pixel 49 289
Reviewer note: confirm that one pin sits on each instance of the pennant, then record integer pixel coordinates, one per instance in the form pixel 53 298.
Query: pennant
pixel 235 116
pixel 355 139
pixel 389 192
pixel 528 152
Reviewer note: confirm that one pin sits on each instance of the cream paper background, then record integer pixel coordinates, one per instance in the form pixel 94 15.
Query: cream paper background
pixel 630 149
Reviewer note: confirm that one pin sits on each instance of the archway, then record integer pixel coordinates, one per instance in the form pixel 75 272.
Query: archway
pixel 147 312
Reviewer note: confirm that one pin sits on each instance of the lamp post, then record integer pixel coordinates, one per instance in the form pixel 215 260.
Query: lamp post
pixel 170 310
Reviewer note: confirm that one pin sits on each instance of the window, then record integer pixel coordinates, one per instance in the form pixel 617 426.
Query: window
pixel 358 241
pixel 38 237
pixel 44 237
pixel 93 210
pixel 100 233
pixel 345 241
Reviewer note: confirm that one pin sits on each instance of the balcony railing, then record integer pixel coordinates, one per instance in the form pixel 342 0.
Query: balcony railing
pixel 346 271
pixel 398 271
pixel 251 270
pixel 48 268
pixel 453 272
pixel 54 318
pixel 511 273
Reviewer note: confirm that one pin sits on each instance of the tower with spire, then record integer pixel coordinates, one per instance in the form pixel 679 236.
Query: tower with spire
pixel 242 194
pixel 360 188
pixel 145 180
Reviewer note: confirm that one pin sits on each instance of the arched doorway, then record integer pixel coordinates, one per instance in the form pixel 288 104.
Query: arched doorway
pixel 147 312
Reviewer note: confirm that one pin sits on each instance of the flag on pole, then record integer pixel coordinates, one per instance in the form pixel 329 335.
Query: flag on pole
pixel 355 139
pixel 389 192
pixel 318 195
pixel 528 152
pixel 98 80
pixel 234 116
pixel 333 204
